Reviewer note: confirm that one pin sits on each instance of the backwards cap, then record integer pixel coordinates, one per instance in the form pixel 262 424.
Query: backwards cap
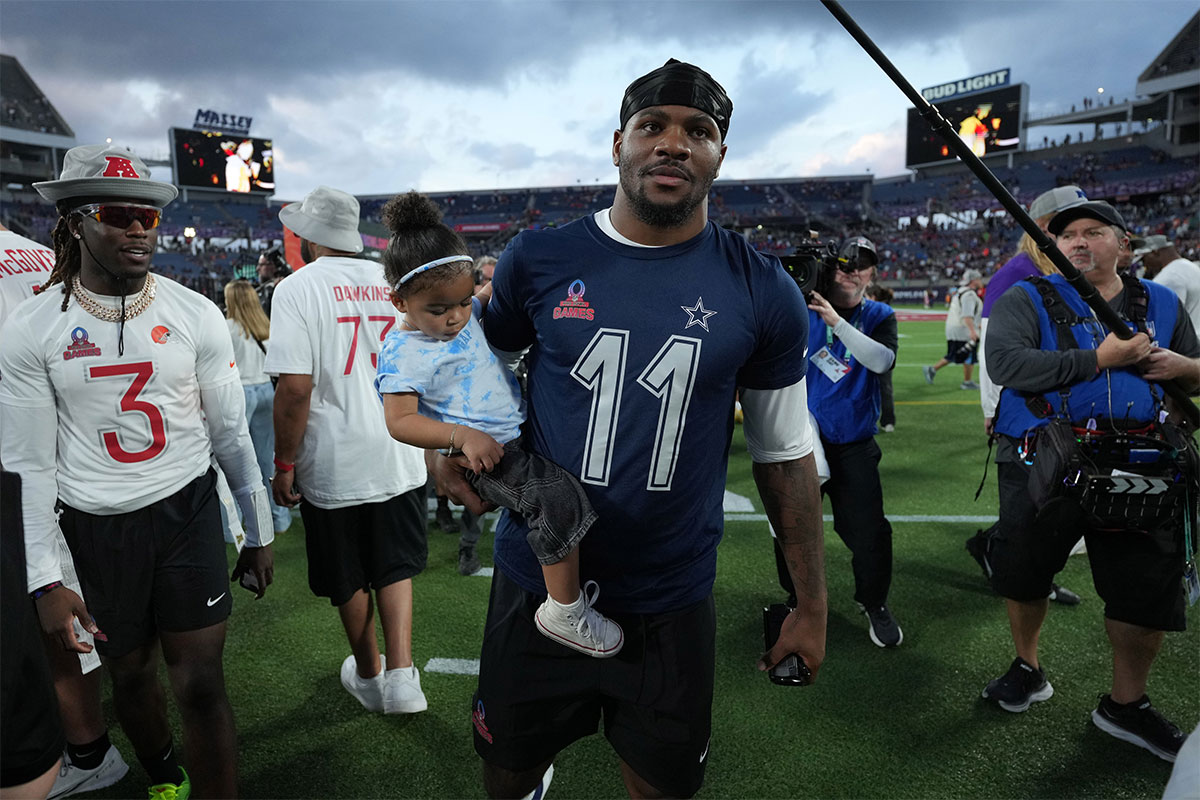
pixel 678 84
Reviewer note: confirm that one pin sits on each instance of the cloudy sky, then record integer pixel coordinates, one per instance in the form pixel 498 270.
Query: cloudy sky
pixel 381 97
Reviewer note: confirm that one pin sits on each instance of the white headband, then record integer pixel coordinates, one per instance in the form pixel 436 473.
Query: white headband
pixel 408 276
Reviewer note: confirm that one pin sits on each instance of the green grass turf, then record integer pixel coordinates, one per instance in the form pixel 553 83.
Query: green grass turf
pixel 906 723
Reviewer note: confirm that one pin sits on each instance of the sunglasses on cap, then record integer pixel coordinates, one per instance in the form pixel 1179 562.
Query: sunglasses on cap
pixel 122 215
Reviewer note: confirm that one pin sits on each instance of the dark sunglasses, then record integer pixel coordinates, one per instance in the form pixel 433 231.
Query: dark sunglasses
pixel 122 215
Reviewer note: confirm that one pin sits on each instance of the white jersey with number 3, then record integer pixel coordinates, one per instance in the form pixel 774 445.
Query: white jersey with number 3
pixel 329 320
pixel 130 430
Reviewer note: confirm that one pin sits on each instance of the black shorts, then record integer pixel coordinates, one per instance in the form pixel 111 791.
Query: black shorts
pixel 31 733
pixel 362 547
pixel 159 568
pixel 535 697
pixel 957 354
pixel 1138 576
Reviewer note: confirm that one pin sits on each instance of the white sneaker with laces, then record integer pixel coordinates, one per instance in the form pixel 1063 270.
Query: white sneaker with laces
pixel 402 691
pixel 368 691
pixel 74 780
pixel 580 626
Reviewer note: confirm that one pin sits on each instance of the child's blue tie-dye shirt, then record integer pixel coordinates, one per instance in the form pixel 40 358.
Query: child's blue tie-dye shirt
pixel 459 381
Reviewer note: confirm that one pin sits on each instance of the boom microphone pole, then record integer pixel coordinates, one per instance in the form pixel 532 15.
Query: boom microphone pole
pixel 940 126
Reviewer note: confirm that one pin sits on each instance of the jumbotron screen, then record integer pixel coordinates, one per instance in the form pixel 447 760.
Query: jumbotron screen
pixel 222 161
pixel 988 122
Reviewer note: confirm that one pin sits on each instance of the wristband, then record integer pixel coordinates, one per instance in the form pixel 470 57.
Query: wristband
pixel 283 466
pixel 452 431
pixel 38 594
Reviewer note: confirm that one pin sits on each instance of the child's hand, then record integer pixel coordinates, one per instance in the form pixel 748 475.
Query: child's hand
pixel 482 451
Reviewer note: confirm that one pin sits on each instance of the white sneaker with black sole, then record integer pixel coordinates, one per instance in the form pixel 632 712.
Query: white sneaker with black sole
pixel 368 691
pixel 579 626
pixel 75 780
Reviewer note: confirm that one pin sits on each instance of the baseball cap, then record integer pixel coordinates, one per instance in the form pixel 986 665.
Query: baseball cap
pixel 1055 200
pixel 851 250
pixel 970 275
pixel 327 217
pixel 1093 209
pixel 1150 243
pixel 102 170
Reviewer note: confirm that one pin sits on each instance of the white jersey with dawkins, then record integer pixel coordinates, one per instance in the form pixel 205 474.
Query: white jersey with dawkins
pixel 329 320
pixel 24 266
pixel 129 427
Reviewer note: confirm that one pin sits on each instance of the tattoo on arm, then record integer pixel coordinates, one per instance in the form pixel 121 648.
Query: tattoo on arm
pixel 792 499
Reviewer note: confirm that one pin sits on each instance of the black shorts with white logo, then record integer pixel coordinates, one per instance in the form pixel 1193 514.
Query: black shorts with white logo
pixel 362 547
pixel 535 697
pixel 158 568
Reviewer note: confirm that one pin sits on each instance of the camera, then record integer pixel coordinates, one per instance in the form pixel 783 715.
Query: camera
pixel 791 669
pixel 814 264
pixel 812 267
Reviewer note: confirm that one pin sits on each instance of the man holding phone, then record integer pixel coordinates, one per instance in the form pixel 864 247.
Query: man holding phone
pixel 116 387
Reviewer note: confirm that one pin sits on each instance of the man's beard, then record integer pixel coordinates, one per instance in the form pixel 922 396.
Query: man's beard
pixel 656 215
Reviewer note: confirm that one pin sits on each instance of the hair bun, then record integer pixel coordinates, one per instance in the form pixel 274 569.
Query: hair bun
pixel 411 210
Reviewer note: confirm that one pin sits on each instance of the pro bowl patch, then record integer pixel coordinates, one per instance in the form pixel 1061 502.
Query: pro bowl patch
pixel 80 346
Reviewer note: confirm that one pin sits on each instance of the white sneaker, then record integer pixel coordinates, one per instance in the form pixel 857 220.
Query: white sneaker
pixel 402 691
pixel 74 780
pixel 368 691
pixel 579 626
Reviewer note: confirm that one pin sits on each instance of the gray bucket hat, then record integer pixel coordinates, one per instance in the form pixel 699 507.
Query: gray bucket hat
pixel 102 170
pixel 327 217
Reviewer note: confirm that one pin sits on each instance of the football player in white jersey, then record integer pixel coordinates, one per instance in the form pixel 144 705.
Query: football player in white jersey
pixel 106 379
pixel 92 761
pixel 364 499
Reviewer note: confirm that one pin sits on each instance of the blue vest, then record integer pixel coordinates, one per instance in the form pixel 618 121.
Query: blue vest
pixel 1133 399
pixel 846 411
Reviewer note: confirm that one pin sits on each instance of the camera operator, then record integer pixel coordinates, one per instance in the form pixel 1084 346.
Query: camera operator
pixel 272 268
pixel 852 341
pixel 1063 371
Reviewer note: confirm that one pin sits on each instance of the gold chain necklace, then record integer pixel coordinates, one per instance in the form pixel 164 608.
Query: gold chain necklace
pixel 108 314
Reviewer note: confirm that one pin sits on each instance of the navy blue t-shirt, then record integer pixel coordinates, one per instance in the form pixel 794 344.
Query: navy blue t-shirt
pixel 635 355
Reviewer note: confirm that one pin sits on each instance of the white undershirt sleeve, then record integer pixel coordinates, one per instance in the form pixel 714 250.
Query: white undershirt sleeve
pixel 225 411
pixel 776 423
pixel 873 355
pixel 28 444
pixel 989 391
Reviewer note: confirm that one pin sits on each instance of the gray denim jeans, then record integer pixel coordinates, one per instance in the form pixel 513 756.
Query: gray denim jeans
pixel 550 499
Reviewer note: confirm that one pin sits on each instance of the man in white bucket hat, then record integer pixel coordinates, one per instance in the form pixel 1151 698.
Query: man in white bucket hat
pixel 363 492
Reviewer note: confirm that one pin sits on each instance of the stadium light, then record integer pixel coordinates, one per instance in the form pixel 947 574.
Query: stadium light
pixel 1100 90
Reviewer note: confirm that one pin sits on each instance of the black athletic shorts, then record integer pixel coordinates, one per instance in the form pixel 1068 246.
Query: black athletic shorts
pixel 362 547
pixel 1139 576
pixel 31 733
pixel 535 697
pixel 956 354
pixel 159 568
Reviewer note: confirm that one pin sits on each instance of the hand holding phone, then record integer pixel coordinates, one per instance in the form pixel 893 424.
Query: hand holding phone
pixel 791 669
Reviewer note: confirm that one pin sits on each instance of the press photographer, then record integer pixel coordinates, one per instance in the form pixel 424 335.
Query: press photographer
pixel 1084 444
pixel 851 342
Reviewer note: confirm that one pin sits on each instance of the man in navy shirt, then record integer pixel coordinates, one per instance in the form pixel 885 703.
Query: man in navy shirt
pixel 641 322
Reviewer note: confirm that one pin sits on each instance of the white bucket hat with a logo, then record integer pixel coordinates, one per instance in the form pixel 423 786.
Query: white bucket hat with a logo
pixel 326 217
pixel 102 170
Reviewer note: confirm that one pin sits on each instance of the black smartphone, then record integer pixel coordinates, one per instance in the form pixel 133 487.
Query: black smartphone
pixel 791 669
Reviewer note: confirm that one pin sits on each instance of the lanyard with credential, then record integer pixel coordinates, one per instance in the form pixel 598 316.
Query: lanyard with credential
pixel 856 321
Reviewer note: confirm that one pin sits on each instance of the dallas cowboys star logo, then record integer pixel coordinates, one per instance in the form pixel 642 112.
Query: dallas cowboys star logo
pixel 697 314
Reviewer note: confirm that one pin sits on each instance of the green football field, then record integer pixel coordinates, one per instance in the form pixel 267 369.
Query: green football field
pixel 904 723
